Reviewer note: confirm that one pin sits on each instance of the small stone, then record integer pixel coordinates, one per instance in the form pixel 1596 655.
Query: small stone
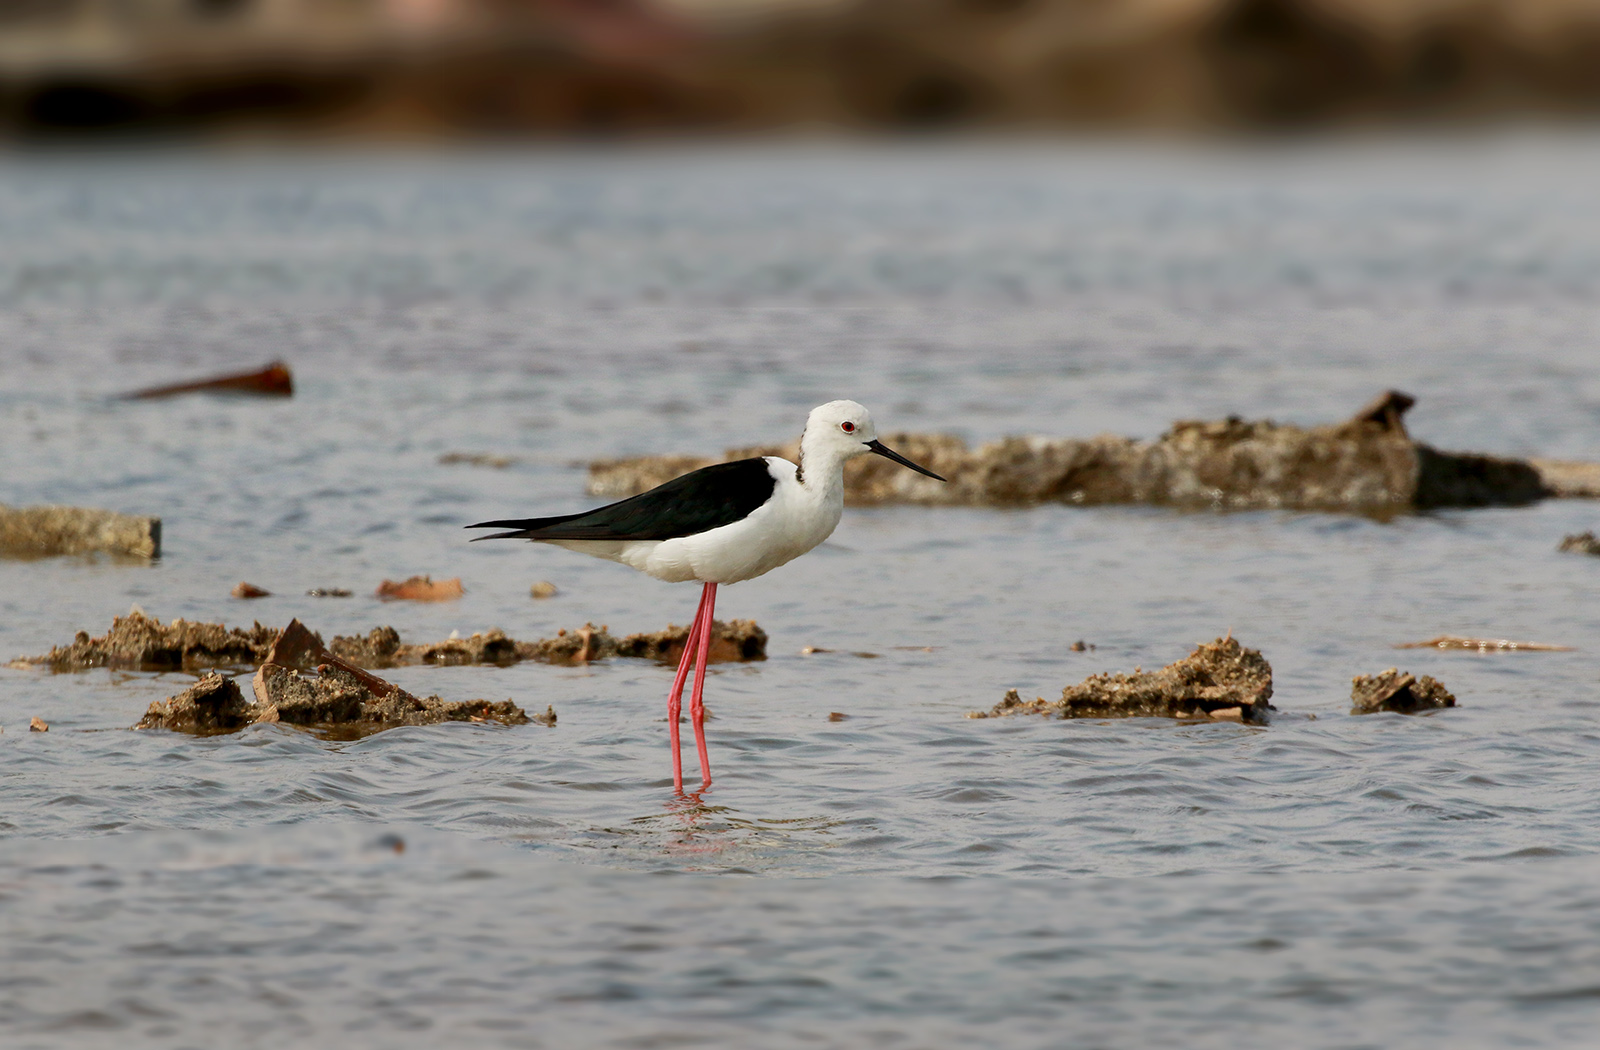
pixel 543 589
pixel 837 716
pixel 38 725
pixel 250 590
pixel 329 592
pixel 421 589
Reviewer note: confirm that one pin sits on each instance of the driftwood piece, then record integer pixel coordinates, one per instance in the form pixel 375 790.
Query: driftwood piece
pixel 274 380
pixel 1368 464
pixel 1219 680
pixel 44 532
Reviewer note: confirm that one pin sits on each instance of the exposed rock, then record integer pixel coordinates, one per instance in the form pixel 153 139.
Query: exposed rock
pixel 250 590
pixel 1569 479
pixel 421 589
pixel 543 589
pixel 144 643
pixel 38 725
pixel 1484 645
pixel 331 700
pixel 329 592
pixel 1221 680
pixel 1368 464
pixel 737 641
pixel 45 532
pixel 274 380
pixel 1393 690
pixel 1582 543
pixel 212 705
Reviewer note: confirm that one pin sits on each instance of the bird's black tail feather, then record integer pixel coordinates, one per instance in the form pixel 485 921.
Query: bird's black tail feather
pixel 525 528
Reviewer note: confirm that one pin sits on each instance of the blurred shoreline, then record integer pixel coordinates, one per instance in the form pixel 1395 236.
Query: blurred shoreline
pixel 429 70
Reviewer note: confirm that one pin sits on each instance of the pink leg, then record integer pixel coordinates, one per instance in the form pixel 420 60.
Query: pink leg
pixel 697 705
pixel 675 698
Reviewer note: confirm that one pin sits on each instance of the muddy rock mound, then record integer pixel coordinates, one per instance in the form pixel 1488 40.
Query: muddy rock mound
pixel 1395 690
pixel 735 642
pixel 212 705
pixel 141 642
pixel 1367 464
pixel 1220 680
pixel 330 700
pixel 43 532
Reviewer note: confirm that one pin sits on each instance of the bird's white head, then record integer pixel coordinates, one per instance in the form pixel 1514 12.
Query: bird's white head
pixel 843 430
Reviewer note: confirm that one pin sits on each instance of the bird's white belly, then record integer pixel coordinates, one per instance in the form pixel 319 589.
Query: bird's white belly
pixel 739 551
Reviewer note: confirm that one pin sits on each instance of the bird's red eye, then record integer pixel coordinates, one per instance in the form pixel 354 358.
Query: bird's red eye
pixel 848 427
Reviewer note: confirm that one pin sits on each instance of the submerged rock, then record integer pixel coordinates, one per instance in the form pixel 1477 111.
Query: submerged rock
pixel 1484 645
pixel 143 643
pixel 1222 680
pixel 1393 690
pixel 1367 464
pixel 46 532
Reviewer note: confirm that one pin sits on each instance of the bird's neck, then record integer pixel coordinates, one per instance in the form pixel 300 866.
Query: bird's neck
pixel 821 471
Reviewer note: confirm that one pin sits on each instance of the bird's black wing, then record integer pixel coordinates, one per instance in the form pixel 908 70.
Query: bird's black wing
pixel 699 501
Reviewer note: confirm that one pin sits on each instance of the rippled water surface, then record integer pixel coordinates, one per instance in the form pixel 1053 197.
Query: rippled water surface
pixel 904 877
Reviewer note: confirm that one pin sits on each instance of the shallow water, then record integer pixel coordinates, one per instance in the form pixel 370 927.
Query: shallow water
pixel 1325 881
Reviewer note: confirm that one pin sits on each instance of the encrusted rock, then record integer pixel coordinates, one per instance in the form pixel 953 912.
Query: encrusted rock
pixel 42 532
pixel 1221 680
pixel 333 700
pixel 144 643
pixel 1394 690
pixel 141 642
pixel 1367 464
pixel 212 705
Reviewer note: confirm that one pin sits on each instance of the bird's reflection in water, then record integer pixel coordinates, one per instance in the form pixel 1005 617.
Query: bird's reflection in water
pixel 706 834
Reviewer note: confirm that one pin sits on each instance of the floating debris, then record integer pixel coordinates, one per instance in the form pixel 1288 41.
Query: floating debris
pixel 47 532
pixel 1483 645
pixel 1582 543
pixel 1221 680
pixel 38 725
pixel 543 589
pixel 272 381
pixel 1368 464
pixel 249 590
pixel 421 589
pixel 477 459
pixel 1393 690
pixel 329 592
pixel 140 642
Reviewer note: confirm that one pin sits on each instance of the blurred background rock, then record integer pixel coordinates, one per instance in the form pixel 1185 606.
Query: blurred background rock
pixel 423 68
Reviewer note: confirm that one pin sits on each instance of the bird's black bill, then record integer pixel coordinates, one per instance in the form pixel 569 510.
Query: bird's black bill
pixel 888 453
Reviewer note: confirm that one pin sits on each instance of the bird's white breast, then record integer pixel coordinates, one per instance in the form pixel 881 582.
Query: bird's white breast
pixel 793 521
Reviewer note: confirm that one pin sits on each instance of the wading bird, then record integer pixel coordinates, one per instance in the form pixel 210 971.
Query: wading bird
pixel 720 524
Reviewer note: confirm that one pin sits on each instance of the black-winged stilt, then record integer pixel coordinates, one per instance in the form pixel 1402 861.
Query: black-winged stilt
pixel 720 524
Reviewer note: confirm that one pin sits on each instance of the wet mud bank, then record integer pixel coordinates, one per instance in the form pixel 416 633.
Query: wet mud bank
pixel 140 642
pixel 1368 464
pixel 47 532
pixel 1219 680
